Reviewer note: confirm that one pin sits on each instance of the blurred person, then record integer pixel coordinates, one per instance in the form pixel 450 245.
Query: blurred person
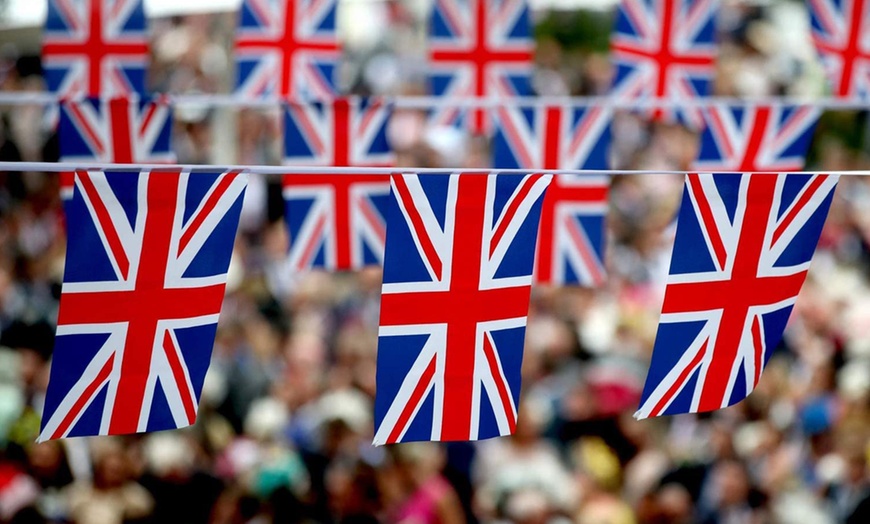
pixel 262 459
pixel 246 355
pixel 19 492
pixel 453 146
pixel 850 494
pixel 530 506
pixel 49 466
pixel 421 495
pixel 32 344
pixel 192 138
pixel 523 460
pixel 675 504
pixel 405 130
pixel 354 492
pixel 583 412
pixel 643 473
pixel 183 493
pixel 599 474
pixel 331 431
pixel 12 396
pixel 729 498
pixel 113 496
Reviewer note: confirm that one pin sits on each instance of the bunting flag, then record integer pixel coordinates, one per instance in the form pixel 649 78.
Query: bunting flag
pixel 455 297
pixel 146 266
pixel 665 49
pixel 742 250
pixel 841 34
pixel 750 137
pixel 95 48
pixel 336 222
pixel 572 237
pixel 343 132
pixel 571 240
pixel 480 48
pixel 287 48
pixel 117 130
pixel 551 137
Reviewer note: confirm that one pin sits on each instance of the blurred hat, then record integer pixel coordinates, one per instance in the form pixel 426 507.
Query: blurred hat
pixel 347 405
pixel 266 419
pixel 616 384
pixel 167 451
pixel 817 415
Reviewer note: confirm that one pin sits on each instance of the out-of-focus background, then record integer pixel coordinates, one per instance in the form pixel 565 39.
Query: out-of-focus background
pixel 285 421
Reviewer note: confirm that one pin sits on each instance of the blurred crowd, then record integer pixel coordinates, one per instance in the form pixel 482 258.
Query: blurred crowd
pixel 285 420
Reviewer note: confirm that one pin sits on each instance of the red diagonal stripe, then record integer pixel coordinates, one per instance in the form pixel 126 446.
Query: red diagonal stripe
pixel 503 393
pixel 146 120
pixel 106 224
pixel 312 244
pixel 213 199
pixel 707 216
pixel 511 211
pixel 684 375
pixel 587 252
pixel 417 221
pixel 805 197
pixel 179 376
pixel 413 401
pixel 757 346
pixel 84 126
pixel 86 396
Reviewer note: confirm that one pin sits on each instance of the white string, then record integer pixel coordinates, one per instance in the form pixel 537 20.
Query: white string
pixel 57 167
pixel 43 98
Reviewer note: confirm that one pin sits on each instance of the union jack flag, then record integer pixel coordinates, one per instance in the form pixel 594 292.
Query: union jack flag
pixel 478 48
pixel 336 222
pixel 756 138
pixel 118 130
pixel 571 240
pixel 146 268
pixel 287 48
pixel 841 34
pixel 95 47
pixel 665 49
pixel 455 297
pixel 741 254
pixel 343 132
pixel 552 137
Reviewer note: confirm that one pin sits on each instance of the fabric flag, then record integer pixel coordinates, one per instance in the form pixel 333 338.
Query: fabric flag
pixel 571 240
pixel 287 48
pixel 742 250
pixel 95 48
pixel 455 297
pixel 841 34
pixel 479 48
pixel 117 130
pixel 750 137
pixel 343 132
pixel 665 49
pixel 146 267
pixel 336 222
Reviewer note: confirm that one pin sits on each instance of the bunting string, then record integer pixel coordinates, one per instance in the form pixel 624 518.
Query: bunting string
pixel 65 167
pixel 431 102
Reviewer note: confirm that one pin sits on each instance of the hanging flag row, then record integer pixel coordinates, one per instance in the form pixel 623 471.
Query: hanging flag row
pixel 484 48
pixel 337 222
pixel 148 255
